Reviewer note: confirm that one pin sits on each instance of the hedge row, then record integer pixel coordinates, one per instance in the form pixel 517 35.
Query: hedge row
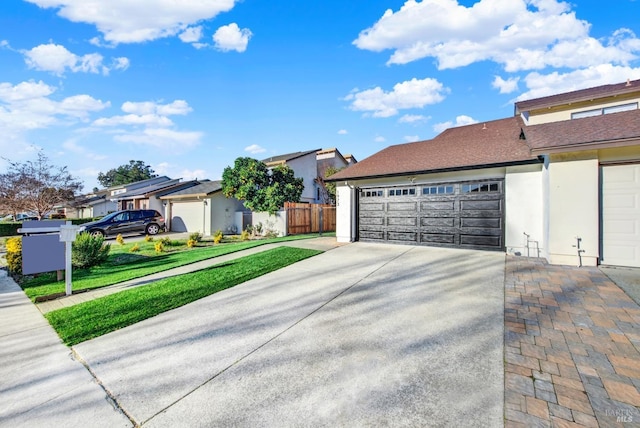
pixel 11 229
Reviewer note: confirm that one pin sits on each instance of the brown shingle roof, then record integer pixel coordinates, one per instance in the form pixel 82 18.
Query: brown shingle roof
pixel 582 134
pixel 466 147
pixel 578 96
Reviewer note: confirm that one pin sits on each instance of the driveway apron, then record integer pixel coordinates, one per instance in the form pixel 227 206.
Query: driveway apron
pixel 361 335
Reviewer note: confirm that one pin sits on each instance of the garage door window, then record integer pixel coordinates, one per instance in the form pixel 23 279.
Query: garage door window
pixel 437 190
pixel 485 187
pixel 372 193
pixel 402 192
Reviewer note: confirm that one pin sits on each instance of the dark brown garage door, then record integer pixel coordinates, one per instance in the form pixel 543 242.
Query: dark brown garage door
pixel 461 214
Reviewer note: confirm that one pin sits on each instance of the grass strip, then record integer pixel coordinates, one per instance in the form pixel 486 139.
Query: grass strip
pixel 94 318
pixel 123 266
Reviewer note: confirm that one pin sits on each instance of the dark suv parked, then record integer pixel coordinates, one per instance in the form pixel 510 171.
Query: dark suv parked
pixel 150 222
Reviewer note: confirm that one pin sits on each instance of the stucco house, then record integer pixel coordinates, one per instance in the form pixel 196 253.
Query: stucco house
pixel 311 166
pixel 560 180
pixel 201 208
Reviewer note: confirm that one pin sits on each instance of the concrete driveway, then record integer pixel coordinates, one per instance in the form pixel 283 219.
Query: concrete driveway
pixel 361 335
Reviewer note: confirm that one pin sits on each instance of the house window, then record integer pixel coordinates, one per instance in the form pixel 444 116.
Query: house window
pixel 402 192
pixel 371 193
pixel 604 110
pixel 477 188
pixel 437 190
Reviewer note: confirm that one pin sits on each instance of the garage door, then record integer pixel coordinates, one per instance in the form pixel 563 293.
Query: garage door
pixel 621 215
pixel 460 214
pixel 187 216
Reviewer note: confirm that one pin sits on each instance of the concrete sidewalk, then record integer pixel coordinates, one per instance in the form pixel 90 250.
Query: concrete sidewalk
pixel 41 384
pixel 321 243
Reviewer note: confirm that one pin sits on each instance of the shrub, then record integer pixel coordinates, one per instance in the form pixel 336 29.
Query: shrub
pixel 217 237
pixel 159 247
pixel 148 238
pixel 245 235
pixel 14 255
pixel 135 248
pixel 9 229
pixel 88 250
pixel 120 239
pixel 166 241
pixel 191 243
pixel 196 236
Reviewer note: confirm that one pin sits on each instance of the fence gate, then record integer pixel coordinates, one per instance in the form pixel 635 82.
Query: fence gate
pixel 310 218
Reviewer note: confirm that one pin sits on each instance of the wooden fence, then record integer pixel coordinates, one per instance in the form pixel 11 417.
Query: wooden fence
pixel 310 218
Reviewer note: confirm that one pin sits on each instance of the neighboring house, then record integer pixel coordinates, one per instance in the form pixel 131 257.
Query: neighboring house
pixel 201 208
pixel 559 180
pixel 311 166
pixel 304 165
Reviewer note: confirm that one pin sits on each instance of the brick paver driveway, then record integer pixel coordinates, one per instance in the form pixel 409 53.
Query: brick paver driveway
pixel 571 348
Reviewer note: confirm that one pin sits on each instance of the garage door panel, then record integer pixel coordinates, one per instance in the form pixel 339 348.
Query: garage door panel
pixel 438 238
pixel 491 205
pixel 437 221
pixel 621 215
pixel 402 221
pixel 449 214
pixel 187 216
pixel 402 206
pixel 372 221
pixel 437 205
pixel 403 236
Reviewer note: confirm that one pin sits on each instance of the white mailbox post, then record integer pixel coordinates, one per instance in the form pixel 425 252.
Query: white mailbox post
pixel 67 235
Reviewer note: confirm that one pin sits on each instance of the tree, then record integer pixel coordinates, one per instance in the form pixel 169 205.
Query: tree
pixel 261 189
pixel 37 186
pixel 329 194
pixel 125 174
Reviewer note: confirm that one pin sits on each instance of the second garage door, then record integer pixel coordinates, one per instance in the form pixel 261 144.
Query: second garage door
pixel 460 214
pixel 187 216
pixel 621 215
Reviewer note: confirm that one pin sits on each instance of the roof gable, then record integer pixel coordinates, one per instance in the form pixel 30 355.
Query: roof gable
pixel 288 157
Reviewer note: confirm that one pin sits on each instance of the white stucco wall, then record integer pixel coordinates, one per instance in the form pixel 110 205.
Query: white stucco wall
pixel 306 167
pixel 221 216
pixel 573 208
pixel 524 211
pixel 277 222
pixel 345 213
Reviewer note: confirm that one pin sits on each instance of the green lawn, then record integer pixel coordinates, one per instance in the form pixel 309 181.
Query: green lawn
pixel 94 318
pixel 124 265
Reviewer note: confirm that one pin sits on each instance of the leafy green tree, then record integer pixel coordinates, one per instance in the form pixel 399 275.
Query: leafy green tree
pixel 125 174
pixel 261 189
pixel 330 188
pixel 37 186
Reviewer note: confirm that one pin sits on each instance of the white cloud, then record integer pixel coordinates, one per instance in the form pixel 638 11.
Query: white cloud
pixel 30 105
pixel 379 139
pixel 171 170
pixel 411 138
pixel 542 85
pixel 461 120
pixel 412 93
pixel 72 146
pixel 505 86
pixel 58 60
pixel 413 118
pixel 126 21
pixel 162 138
pixel 191 34
pixel 255 149
pixel 519 34
pixel 343 132
pixel 232 38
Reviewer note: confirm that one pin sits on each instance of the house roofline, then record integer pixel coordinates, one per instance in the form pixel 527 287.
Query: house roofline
pixel 536 160
pixel 593 145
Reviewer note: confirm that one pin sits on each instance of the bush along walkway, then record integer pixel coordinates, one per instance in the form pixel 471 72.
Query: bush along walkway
pixel 571 348
pixel 322 244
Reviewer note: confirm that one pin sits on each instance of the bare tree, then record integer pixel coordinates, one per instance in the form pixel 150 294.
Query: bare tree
pixel 36 186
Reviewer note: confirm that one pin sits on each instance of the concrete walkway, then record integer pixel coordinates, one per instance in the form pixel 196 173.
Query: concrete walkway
pixel 41 384
pixel 320 243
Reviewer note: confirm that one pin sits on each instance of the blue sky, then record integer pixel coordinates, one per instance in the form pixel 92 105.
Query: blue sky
pixel 189 88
